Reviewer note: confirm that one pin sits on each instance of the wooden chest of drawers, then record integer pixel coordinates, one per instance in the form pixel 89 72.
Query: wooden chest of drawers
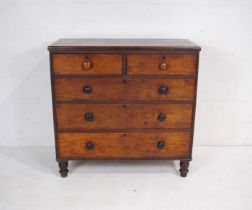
pixel 124 99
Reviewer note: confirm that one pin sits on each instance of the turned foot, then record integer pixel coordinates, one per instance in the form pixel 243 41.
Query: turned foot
pixel 184 164
pixel 63 165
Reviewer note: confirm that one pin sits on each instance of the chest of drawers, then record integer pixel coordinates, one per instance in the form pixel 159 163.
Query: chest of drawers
pixel 124 99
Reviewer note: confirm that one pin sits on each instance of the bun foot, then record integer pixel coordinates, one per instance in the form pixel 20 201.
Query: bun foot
pixel 184 164
pixel 63 165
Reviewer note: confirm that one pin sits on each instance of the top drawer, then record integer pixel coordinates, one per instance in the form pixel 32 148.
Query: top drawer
pixel 156 64
pixel 87 63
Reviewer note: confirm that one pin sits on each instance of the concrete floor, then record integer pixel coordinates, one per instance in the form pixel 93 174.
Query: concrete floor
pixel 220 178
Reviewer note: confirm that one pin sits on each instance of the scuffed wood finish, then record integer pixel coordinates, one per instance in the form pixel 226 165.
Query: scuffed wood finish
pixel 101 63
pixel 68 89
pixel 178 64
pixel 123 116
pixel 124 145
pixel 124 99
pixel 65 45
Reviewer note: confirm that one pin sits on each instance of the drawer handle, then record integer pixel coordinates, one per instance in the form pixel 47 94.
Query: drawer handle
pixel 163 66
pixel 87 65
pixel 163 90
pixel 90 145
pixel 160 144
pixel 89 116
pixel 87 89
pixel 161 117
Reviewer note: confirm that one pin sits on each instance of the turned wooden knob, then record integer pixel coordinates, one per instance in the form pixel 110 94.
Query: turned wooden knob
pixel 163 90
pixel 87 89
pixel 160 144
pixel 90 145
pixel 87 65
pixel 163 66
pixel 161 117
pixel 89 116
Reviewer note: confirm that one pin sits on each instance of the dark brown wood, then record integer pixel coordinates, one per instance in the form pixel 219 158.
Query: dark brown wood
pixel 184 165
pixel 132 130
pixel 123 145
pixel 124 99
pixel 53 107
pixel 63 165
pixel 123 116
pixel 107 89
pixel 194 103
pixel 123 44
pixel 87 63
pixel 179 64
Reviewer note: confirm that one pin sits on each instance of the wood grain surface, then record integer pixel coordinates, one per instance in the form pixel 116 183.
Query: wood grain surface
pixel 65 45
pixel 117 82
pixel 124 145
pixel 179 64
pixel 101 63
pixel 123 116
pixel 70 89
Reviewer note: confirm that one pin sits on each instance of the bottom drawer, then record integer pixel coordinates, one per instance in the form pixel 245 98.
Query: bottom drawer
pixel 124 145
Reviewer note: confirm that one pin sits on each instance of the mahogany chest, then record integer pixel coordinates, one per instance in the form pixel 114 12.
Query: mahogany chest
pixel 124 99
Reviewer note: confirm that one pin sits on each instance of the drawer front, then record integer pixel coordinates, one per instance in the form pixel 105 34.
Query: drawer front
pixel 124 145
pixel 87 63
pixel 123 116
pixel 177 64
pixel 117 89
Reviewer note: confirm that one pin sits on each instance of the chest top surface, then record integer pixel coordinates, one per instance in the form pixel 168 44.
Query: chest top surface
pixel 106 44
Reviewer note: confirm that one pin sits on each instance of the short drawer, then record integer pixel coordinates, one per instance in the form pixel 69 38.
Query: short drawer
pixel 158 64
pixel 87 63
pixel 124 145
pixel 123 116
pixel 67 89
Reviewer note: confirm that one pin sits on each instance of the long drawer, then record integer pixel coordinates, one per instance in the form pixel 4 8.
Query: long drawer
pixel 124 145
pixel 118 89
pixel 123 116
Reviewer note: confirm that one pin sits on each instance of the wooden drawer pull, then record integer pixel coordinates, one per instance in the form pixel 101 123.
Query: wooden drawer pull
pixel 163 90
pixel 89 116
pixel 160 144
pixel 87 64
pixel 87 89
pixel 161 117
pixel 163 66
pixel 90 145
